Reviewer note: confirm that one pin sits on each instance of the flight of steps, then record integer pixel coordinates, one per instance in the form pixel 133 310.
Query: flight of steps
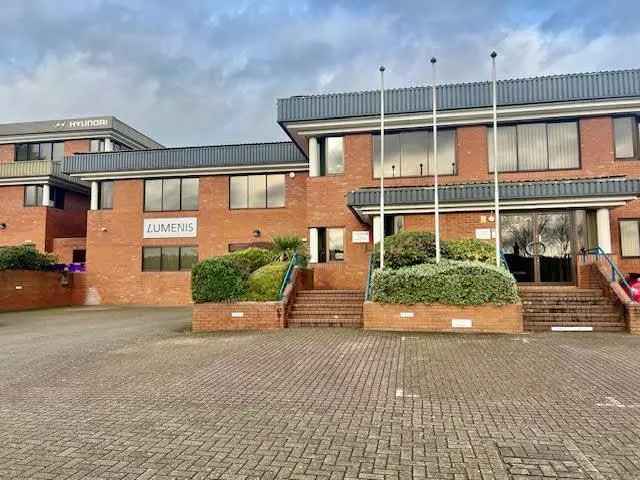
pixel 327 308
pixel 547 307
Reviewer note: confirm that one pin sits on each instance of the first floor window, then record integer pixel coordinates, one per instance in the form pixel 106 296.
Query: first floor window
pixel 171 194
pixel 410 154
pixel 168 259
pixel 535 146
pixel 257 191
pixel 630 238
pixel 105 195
pixel 331 155
pixel 330 245
pixel 626 132
pixel 51 151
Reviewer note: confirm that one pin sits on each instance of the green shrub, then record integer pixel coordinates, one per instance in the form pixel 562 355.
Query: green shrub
pixel 25 258
pixel 449 282
pixel 287 245
pixel 250 259
pixel 407 248
pixel 217 280
pixel 264 283
pixel 470 249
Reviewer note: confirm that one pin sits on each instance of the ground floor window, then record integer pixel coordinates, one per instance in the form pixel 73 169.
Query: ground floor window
pixel 33 196
pixel 79 256
pixel 169 259
pixel 329 246
pixel 630 238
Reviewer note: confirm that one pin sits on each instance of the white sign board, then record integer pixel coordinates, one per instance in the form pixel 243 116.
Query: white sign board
pixel 360 236
pixel 407 315
pixel 461 323
pixel 485 233
pixel 183 227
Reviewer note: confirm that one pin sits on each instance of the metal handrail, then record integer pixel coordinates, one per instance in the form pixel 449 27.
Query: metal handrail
pixel 287 276
pixel 616 274
pixel 367 289
pixel 503 260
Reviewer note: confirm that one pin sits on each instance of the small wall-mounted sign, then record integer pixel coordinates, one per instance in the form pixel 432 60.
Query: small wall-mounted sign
pixel 361 236
pixel 19 287
pixel 182 227
pixel 485 233
pixel 237 314
pixel 461 323
pixel 407 314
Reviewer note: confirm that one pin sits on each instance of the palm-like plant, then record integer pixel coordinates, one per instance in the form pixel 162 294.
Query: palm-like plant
pixel 286 246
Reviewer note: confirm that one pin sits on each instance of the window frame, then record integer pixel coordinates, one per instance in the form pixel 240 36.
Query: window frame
pixel 322 156
pixel 266 196
pixel 161 247
pixel 429 133
pixel 162 179
pixel 100 194
pixel 635 140
pixel 546 122
pixel 324 252
pixel 30 149
pixel 39 193
pixel 620 220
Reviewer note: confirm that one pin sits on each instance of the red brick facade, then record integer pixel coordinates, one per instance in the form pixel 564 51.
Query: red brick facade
pixel 214 317
pixel 443 318
pixel 27 290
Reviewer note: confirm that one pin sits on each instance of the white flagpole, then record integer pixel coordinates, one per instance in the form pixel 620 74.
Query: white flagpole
pixel 435 161
pixel 495 157
pixel 382 167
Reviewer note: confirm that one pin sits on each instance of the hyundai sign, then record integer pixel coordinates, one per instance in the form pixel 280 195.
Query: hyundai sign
pixel 183 227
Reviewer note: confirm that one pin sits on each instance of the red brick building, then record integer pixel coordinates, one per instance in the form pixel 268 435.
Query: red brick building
pixel 569 169
pixel 39 204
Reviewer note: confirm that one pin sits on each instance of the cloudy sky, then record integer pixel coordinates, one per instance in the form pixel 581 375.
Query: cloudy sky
pixel 197 72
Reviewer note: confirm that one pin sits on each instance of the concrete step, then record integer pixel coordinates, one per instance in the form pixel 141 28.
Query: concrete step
pixel 584 317
pixel 323 322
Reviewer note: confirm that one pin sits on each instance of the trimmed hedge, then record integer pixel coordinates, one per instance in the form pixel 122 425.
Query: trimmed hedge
pixel 250 259
pixel 264 283
pixel 450 282
pixel 416 247
pixel 25 258
pixel 470 249
pixel 217 280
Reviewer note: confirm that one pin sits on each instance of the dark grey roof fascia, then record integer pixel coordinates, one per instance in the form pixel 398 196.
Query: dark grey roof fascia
pixel 85 126
pixel 484 192
pixel 217 156
pixel 521 91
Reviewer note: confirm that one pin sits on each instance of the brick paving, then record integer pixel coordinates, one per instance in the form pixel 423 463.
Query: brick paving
pixel 128 394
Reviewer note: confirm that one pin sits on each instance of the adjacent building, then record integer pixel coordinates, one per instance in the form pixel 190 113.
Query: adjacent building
pixel 568 162
pixel 39 204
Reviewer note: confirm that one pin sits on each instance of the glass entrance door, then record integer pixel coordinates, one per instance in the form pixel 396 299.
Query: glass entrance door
pixel 538 247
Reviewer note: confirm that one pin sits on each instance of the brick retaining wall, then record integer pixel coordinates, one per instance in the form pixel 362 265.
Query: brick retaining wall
pixel 29 290
pixel 438 318
pixel 214 317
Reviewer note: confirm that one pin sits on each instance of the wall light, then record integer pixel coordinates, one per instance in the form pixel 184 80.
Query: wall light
pixel 257 233
pixel 3 226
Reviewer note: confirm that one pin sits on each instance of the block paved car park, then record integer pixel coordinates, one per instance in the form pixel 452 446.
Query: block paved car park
pixel 129 393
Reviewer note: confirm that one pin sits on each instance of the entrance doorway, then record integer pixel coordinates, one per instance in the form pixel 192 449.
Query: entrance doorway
pixel 539 247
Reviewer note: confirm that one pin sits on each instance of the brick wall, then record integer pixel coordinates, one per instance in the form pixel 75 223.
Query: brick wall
pixel 27 290
pixel 24 224
pixel 438 318
pixel 114 238
pixel 214 317
pixel 7 153
pixel 63 248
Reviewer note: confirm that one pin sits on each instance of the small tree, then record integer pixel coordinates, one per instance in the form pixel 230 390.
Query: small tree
pixel 286 246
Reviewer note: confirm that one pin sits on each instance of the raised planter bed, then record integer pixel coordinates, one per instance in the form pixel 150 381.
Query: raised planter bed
pixel 487 318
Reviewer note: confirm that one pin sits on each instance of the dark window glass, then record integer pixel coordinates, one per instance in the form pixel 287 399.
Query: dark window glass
pixel 79 256
pixel 22 152
pixel 106 195
pixel 322 245
pixel 153 195
pixel 170 259
pixel 151 259
pixel 188 257
pixel 189 195
pixel 56 197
